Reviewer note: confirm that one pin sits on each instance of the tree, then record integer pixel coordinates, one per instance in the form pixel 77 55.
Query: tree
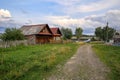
pixel 105 33
pixel 66 32
pixel 78 32
pixel 12 34
pixel 109 33
pixel 98 33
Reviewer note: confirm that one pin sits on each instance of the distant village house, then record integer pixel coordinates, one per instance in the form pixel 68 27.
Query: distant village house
pixel 116 37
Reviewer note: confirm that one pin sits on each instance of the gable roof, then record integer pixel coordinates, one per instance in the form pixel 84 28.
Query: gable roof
pixel 34 29
pixel 56 31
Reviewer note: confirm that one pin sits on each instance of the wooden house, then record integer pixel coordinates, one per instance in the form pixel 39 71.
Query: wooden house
pixel 56 34
pixel 116 37
pixel 37 34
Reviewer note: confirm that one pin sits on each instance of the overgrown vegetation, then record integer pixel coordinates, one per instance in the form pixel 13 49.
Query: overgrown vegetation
pixel 12 34
pixel 97 42
pixel 33 62
pixel 111 56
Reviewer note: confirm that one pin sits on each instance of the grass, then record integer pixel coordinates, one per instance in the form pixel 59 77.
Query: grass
pixel 96 42
pixel 110 55
pixel 33 62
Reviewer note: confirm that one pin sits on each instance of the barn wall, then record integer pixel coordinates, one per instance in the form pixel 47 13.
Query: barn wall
pixel 31 39
pixel 43 39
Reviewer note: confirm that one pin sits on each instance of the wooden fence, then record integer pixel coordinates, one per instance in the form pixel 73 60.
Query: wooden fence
pixel 55 41
pixel 60 41
pixel 6 44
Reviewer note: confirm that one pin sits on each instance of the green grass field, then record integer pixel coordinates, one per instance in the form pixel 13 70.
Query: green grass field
pixel 110 55
pixel 33 62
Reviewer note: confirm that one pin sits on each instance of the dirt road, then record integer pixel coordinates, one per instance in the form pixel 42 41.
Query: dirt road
pixel 84 65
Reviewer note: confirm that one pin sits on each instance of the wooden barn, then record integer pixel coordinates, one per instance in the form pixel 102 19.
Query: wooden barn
pixel 37 34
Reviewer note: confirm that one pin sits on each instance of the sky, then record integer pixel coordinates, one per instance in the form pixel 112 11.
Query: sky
pixel 87 14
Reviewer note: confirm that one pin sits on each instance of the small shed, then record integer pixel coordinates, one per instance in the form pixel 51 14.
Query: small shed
pixel 56 34
pixel 37 34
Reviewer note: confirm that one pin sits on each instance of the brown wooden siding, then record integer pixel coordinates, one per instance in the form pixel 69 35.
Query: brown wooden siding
pixel 42 39
pixel 31 39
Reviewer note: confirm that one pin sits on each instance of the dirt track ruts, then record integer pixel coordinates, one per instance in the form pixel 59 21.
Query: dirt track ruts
pixel 84 65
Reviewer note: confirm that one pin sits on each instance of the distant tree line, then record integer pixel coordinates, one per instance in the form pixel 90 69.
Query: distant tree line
pixel 103 33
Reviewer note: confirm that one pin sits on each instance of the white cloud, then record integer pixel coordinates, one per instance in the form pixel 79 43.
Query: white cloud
pixel 88 23
pixel 67 21
pixel 76 6
pixel 4 15
pixel 112 16
pixel 96 6
pixel 6 19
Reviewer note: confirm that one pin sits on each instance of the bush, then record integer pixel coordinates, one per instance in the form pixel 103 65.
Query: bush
pixel 12 34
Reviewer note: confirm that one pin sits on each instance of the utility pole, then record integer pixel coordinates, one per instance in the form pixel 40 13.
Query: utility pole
pixel 107 32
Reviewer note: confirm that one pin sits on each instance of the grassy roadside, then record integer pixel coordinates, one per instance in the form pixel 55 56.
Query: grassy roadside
pixel 110 55
pixel 33 62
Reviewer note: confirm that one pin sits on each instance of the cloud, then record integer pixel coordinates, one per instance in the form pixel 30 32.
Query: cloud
pixel 67 21
pixel 99 5
pixel 77 6
pixel 4 15
pixel 84 6
pixel 112 16
pixel 6 20
pixel 88 23
pixel 24 11
pixel 65 2
pixel 10 23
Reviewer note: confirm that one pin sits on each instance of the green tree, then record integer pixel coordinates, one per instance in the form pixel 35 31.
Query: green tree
pixel 12 34
pixel 78 32
pixel 105 33
pixel 98 33
pixel 108 33
pixel 66 32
